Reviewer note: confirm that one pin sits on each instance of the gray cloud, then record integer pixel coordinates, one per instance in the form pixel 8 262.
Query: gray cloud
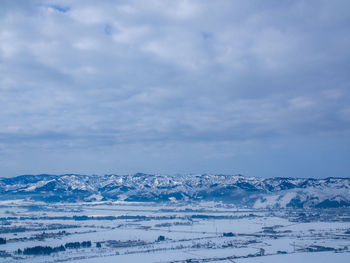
pixel 80 76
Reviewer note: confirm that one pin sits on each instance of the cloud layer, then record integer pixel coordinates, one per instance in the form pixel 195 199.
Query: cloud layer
pixel 103 86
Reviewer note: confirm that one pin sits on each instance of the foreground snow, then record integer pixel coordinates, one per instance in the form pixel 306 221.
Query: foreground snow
pixel 181 232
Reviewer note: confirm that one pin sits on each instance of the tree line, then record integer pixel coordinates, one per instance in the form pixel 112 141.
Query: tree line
pixel 47 250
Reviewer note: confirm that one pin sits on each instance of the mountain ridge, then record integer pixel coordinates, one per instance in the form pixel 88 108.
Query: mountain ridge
pixel 257 192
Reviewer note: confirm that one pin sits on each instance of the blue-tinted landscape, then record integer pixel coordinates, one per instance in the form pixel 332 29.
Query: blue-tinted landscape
pixel 174 131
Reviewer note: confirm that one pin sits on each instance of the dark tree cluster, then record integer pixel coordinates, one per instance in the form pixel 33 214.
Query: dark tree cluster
pixel 41 250
pixel 2 241
pixel 72 245
pixel 86 244
pixel 228 234
pixel 83 218
pixel 4 254
pixel 161 238
pixel 46 250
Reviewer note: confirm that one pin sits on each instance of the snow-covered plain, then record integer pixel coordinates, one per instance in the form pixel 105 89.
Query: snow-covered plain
pixel 172 232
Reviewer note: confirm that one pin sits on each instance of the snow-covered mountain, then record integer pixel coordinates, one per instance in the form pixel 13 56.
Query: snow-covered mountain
pixel 236 189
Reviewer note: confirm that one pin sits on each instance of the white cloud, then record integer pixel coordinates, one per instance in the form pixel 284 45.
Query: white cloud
pixel 129 35
pixel 80 74
pixel 87 44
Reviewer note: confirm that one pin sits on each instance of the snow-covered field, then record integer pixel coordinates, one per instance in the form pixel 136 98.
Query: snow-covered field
pixel 170 232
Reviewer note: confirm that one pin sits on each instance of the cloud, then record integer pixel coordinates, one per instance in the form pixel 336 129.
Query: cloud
pixel 76 74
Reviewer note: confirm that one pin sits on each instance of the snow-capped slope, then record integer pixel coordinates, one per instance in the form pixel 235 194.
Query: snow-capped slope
pixel 237 189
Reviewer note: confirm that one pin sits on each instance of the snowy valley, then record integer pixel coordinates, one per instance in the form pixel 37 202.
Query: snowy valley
pixel 158 218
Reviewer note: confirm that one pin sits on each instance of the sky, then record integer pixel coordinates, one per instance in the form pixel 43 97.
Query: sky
pixel 259 88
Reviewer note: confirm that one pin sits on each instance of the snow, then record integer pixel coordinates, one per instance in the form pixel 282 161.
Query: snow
pixel 186 237
pixel 319 257
pixel 192 230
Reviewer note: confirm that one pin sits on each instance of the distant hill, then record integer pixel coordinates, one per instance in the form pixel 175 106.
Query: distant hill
pixel 236 189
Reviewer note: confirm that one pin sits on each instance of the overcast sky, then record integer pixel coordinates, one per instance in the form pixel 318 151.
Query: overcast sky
pixel 260 88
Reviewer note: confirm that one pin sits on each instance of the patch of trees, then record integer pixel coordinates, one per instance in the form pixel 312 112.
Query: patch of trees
pixel 72 245
pixel 4 254
pixel 166 224
pixel 160 238
pixel 281 252
pixel 42 250
pixel 86 244
pixel 2 241
pixel 47 250
pixel 15 229
pixel 83 218
pixel 316 248
pixel 44 235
